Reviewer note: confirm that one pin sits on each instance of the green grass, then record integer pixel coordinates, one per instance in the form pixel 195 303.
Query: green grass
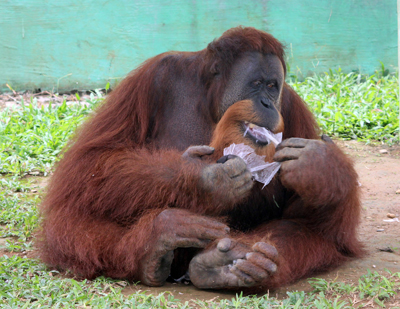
pixel 25 283
pixel 32 138
pixel 348 106
pixel 352 106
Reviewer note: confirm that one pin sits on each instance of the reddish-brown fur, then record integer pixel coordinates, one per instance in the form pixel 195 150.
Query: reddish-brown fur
pixel 228 130
pixel 125 166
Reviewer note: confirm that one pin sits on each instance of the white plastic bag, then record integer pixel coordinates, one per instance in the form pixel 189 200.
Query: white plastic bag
pixel 265 134
pixel 262 171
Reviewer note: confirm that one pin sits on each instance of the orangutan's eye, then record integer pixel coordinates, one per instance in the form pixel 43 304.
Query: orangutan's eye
pixel 257 83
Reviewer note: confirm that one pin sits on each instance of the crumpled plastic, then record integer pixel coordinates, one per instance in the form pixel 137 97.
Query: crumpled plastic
pixel 261 171
pixel 266 134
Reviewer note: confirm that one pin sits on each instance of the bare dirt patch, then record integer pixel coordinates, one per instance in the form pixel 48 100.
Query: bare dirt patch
pixel 379 175
pixel 15 100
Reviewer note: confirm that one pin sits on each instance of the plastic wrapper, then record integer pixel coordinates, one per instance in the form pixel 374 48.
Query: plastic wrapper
pixel 262 171
pixel 265 134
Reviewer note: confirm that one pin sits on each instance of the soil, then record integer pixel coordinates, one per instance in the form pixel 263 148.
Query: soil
pixel 378 167
pixel 10 100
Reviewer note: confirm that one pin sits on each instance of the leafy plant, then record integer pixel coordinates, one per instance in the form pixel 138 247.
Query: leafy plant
pixel 353 106
pixel 32 137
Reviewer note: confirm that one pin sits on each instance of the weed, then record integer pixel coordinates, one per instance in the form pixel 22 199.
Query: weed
pixel 352 106
pixel 32 137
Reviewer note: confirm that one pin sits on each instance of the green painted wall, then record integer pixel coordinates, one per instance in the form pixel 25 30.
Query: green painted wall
pixel 71 44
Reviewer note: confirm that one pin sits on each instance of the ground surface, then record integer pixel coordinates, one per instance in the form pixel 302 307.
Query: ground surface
pixel 9 100
pixel 379 175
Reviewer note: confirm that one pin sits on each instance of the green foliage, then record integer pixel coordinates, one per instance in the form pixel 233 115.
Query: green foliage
pixel 18 213
pixel 32 136
pixel 352 106
pixel 349 106
pixel 31 140
pixel 378 287
pixel 25 283
pixel 373 286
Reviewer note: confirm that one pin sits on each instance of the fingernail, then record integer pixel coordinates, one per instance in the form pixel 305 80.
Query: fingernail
pixel 224 245
pixel 272 268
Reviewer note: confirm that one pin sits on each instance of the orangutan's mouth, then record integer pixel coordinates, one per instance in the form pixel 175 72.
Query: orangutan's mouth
pixel 260 135
pixel 256 133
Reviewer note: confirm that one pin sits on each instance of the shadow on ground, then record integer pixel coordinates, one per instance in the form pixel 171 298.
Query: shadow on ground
pixel 379 175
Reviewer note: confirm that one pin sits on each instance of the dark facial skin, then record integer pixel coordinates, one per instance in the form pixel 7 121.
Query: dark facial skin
pixel 253 76
pixel 260 78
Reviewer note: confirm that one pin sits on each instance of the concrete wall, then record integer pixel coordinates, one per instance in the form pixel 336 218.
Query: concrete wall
pixel 70 44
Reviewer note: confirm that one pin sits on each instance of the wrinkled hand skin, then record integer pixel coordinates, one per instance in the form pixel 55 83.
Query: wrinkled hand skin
pixel 176 228
pixel 231 264
pixel 305 164
pixel 228 180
